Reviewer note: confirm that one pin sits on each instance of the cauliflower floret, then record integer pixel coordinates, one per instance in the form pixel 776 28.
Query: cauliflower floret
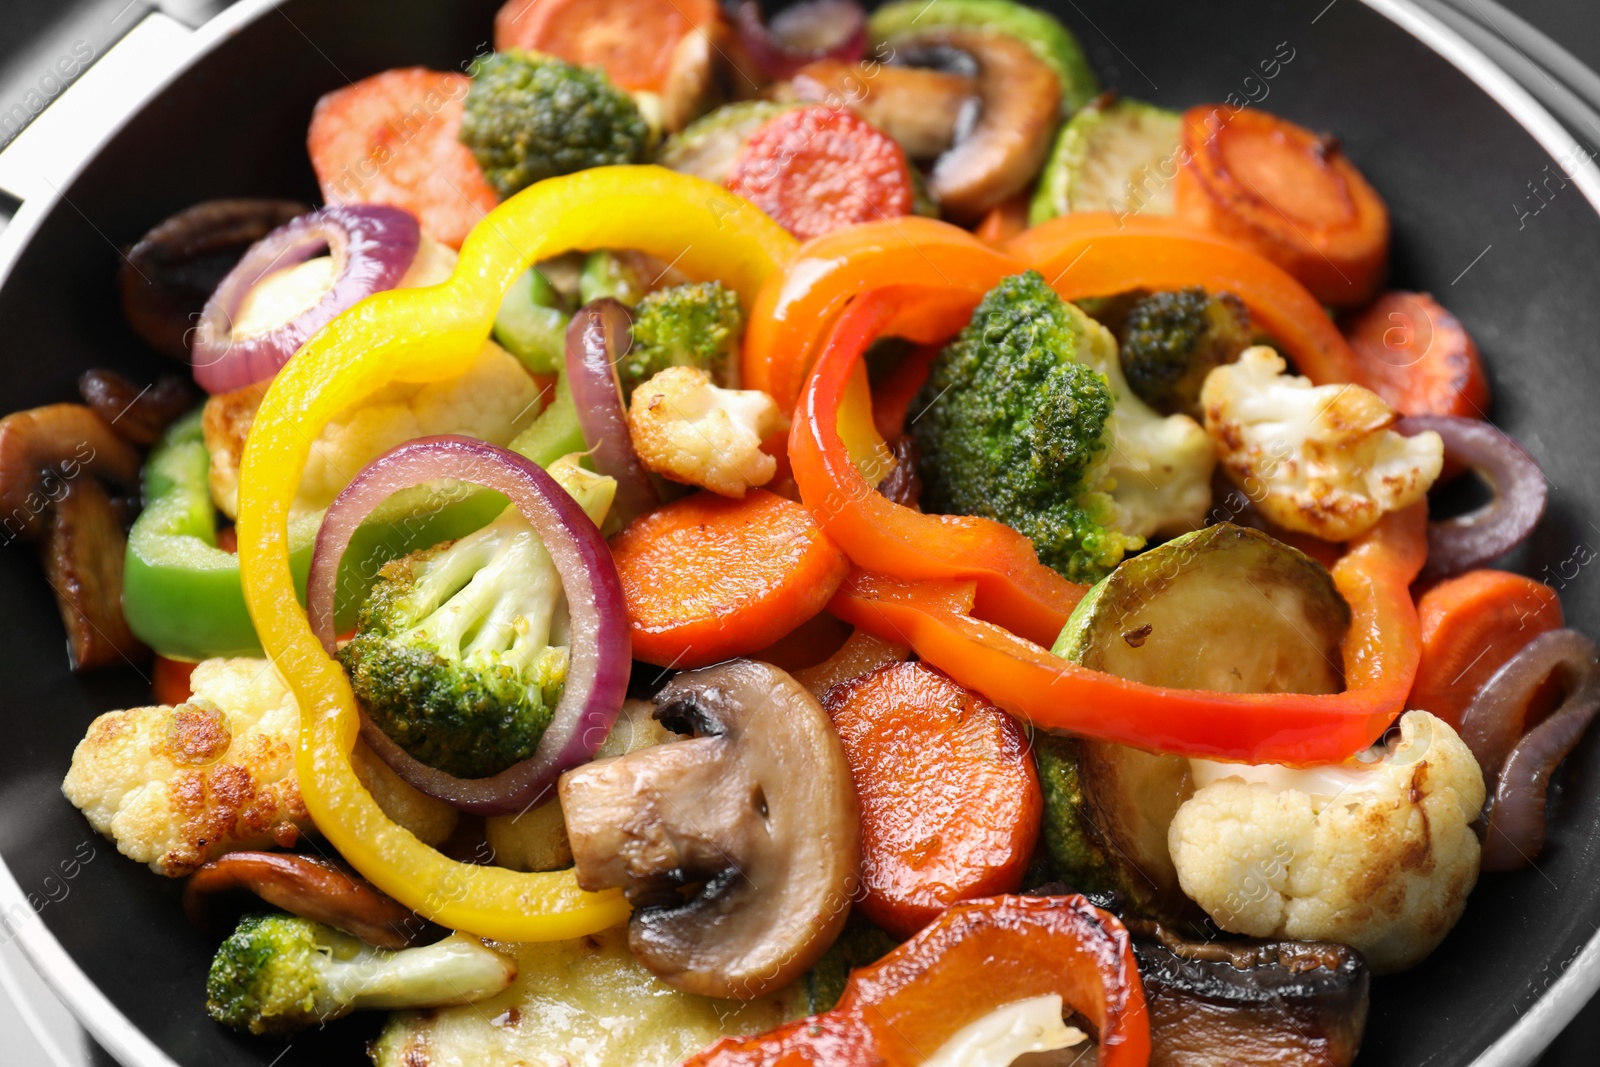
pixel 1161 464
pixel 1318 459
pixel 494 400
pixel 1378 856
pixel 177 786
pixel 687 429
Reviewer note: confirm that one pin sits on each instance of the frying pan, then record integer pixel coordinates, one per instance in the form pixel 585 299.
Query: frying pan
pixel 1453 144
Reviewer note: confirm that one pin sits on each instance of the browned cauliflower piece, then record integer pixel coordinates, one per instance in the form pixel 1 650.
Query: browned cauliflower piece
pixel 175 787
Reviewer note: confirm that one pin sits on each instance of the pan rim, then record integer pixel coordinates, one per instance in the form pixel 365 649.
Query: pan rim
pixel 1518 1046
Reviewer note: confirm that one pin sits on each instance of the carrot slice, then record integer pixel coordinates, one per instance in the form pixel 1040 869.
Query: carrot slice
pixel 391 139
pixel 817 169
pixel 1471 625
pixel 707 578
pixel 169 681
pixel 950 801
pixel 860 653
pixel 633 41
pixel 807 645
pixel 1287 193
pixel 1003 223
pixel 1418 357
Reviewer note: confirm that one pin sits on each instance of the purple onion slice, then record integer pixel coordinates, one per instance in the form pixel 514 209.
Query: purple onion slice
pixel 372 247
pixel 599 336
pixel 600 651
pixel 1481 536
pixel 801 34
pixel 1519 781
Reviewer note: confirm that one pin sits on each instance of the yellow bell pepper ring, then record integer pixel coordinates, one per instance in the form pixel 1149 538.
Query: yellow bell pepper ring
pixel 424 335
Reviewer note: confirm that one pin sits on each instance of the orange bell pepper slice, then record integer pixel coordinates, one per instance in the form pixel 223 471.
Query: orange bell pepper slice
pixel 1013 588
pixel 977 957
pixel 796 306
pixel 1381 653
pixel 1098 254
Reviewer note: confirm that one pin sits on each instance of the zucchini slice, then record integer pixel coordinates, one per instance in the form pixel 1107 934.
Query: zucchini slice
pixel 1224 608
pixel 707 146
pixel 1115 155
pixel 1048 39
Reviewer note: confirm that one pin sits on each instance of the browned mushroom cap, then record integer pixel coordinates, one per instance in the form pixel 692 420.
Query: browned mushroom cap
pixel 1021 105
pixel 44 451
pixel 167 277
pixel 56 464
pixel 1222 1003
pixel 921 108
pixel 308 887
pixel 739 847
pixel 137 414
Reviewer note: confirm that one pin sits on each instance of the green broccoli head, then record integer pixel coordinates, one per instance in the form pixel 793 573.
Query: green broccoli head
pixel 1172 340
pixel 1014 427
pixel 457 654
pixel 531 116
pixel 696 325
pixel 276 974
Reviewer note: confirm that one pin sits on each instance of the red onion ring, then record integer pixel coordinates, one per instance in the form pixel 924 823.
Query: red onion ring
pixel 372 245
pixel 598 337
pixel 1518 781
pixel 804 33
pixel 1513 476
pixel 600 652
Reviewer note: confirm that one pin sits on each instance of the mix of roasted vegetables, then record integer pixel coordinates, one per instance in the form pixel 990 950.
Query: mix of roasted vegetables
pixel 720 610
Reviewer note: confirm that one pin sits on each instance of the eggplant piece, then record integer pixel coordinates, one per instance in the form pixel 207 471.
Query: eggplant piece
pixel 1248 1003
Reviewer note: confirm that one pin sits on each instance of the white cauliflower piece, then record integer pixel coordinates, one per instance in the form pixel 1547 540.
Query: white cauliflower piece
pixel 1322 460
pixel 177 786
pixel 494 400
pixel 1161 464
pixel 688 429
pixel 1380 856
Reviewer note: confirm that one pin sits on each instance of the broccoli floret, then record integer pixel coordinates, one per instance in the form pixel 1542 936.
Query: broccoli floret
pixel 696 325
pixel 531 116
pixel 457 654
pixel 1014 427
pixel 1171 340
pixel 276 974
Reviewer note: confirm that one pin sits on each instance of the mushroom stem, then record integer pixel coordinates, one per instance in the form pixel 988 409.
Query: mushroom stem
pixel 738 847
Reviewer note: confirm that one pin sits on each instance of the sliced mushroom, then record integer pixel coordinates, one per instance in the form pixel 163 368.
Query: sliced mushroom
pixel 138 415
pixel 167 277
pixel 1021 99
pixel 308 887
pixel 59 468
pixel 738 847
pixel 923 109
pixel 1244 1003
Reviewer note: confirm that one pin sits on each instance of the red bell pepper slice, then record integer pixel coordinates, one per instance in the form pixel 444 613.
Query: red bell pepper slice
pixel 977 957
pixel 1013 587
pixel 1381 653
pixel 1099 254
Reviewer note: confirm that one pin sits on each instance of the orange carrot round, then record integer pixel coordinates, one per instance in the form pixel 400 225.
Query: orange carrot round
pixel 633 41
pixel 707 578
pixel 169 681
pixel 950 801
pixel 391 139
pixel 816 169
pixel 1471 625
pixel 1287 193
pixel 1005 221
pixel 1418 357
